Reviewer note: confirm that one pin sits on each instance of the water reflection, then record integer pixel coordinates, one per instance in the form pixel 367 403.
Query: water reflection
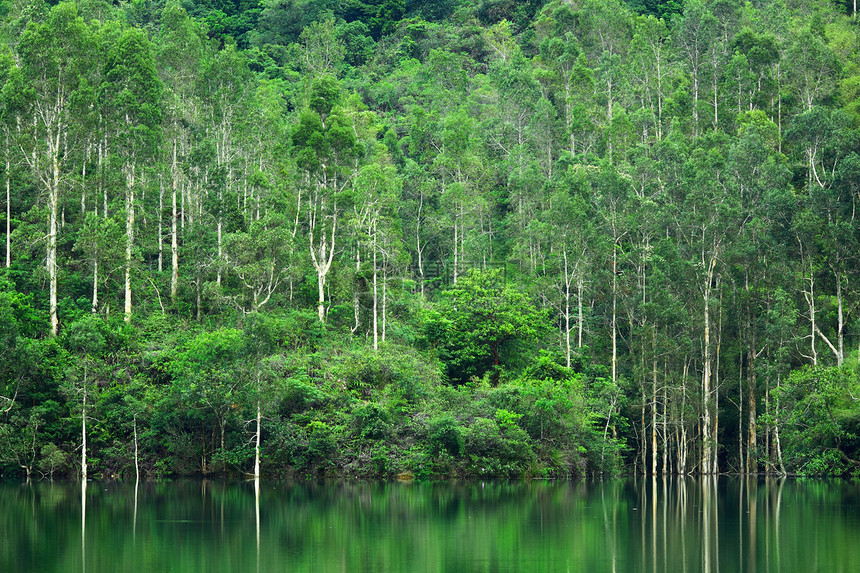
pixel 649 525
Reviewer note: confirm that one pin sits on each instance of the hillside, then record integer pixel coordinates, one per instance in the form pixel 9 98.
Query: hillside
pixel 449 238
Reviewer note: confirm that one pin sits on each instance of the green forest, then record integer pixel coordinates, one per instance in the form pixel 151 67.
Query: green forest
pixel 441 239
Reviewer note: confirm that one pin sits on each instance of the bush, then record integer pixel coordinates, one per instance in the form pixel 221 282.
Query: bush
pixel 371 421
pixel 446 435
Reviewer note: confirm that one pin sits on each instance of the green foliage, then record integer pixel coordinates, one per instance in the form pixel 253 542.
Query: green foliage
pixel 601 221
pixel 483 326
pixel 822 420
pixel 445 435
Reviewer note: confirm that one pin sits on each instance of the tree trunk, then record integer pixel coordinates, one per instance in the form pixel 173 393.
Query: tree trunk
pixel 614 311
pixel 174 240
pixel 51 261
pixel 322 253
pixel 160 230
pixel 707 444
pixel 136 464
pixel 257 438
pixel 384 297
pixel 129 237
pixel 566 308
pixel 8 209
pixel 580 288
pixel 777 445
pixel 654 402
pixel 84 430
pixel 752 383
pixel 375 294
pixel 95 308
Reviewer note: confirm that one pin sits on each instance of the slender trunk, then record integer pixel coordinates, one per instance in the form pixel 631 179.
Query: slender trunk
pixel 716 428
pixel 53 200
pixel 8 209
pixel 752 383
pixel 456 243
pixel 741 458
pixel 643 438
pixel 174 240
pixel 103 187
pixel 136 464
pixel 95 308
pixel 566 308
pixel 776 429
pixel 654 402
pixel 665 422
pixel 84 429
pixel 219 240
pixel 580 288
pixel 840 354
pixel 321 292
pixel 160 230
pixel 257 437
pixel 418 247
pixel 129 237
pixel 614 311
pixel 375 294
pixel 384 297
pixel 810 301
pixel 199 297
pixel 707 444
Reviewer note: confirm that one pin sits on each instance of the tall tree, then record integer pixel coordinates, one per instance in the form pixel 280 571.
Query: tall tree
pixel 131 96
pixel 53 56
pixel 327 152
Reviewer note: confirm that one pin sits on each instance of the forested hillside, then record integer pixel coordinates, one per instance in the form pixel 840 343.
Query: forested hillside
pixel 449 238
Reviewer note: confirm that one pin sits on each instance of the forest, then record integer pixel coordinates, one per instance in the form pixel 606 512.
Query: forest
pixel 441 239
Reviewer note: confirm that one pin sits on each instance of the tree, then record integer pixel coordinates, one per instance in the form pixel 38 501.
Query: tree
pixel 99 240
pixel 53 61
pixel 484 326
pixel 821 420
pixel 376 190
pixel 210 374
pixel 131 96
pixel 87 341
pixel 326 151
pixel 260 258
pixel 179 51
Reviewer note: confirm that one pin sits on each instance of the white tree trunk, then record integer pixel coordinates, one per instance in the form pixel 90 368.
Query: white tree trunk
pixel 95 308
pixel 257 438
pixel 174 240
pixel 53 200
pixel 136 463
pixel 84 431
pixel 375 294
pixel 129 237
pixel 8 213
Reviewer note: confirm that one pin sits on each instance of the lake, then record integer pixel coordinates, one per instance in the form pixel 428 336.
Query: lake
pixel 695 525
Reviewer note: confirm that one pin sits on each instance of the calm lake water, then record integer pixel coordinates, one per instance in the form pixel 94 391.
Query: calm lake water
pixel 695 525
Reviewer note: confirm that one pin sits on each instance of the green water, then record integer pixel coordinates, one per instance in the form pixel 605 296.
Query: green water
pixel 626 525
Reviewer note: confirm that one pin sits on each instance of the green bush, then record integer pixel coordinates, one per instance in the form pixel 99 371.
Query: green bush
pixel 371 421
pixel 446 435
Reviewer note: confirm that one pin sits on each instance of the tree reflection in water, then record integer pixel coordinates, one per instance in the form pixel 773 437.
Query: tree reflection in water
pixel 645 524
